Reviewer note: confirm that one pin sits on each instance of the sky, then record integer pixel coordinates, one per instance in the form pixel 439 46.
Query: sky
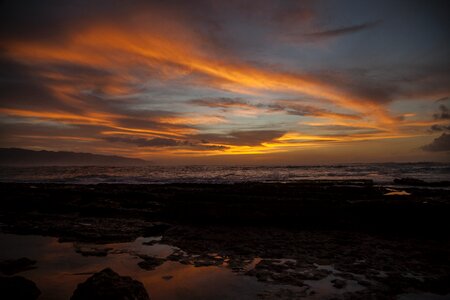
pixel 228 82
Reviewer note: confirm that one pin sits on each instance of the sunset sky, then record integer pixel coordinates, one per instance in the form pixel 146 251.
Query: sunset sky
pixel 228 82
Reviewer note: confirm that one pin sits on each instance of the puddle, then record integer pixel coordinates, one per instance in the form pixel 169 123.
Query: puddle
pixel 394 192
pixel 60 269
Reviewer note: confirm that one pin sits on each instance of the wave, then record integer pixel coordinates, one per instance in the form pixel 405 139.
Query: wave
pixel 379 173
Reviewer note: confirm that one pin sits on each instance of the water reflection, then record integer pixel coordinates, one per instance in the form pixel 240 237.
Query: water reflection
pixel 60 269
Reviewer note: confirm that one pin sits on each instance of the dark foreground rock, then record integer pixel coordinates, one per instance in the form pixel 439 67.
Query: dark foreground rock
pixel 18 288
pixel 89 250
pixel 339 283
pixel 149 262
pixel 13 266
pixel 108 285
pixel 419 182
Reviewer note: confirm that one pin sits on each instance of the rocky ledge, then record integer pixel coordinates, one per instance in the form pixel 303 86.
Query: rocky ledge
pixel 108 285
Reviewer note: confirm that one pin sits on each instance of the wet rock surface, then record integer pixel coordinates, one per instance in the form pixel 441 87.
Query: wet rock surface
pixel 339 283
pixel 419 182
pixel 18 288
pixel 286 272
pixel 89 250
pixel 149 262
pixel 108 285
pixel 372 263
pixel 285 294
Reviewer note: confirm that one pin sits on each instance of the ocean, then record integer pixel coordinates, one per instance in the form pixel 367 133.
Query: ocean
pixel 380 173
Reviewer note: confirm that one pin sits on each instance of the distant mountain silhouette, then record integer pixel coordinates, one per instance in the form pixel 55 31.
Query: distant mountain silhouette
pixel 25 157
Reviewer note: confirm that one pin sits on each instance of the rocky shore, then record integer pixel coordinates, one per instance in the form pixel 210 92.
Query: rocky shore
pixel 366 240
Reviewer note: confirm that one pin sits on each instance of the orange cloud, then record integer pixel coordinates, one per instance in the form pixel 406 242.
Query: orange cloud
pixel 193 120
pixel 102 119
pixel 119 49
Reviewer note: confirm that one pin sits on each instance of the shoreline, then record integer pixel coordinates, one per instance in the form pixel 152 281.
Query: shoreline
pixel 337 204
pixel 293 229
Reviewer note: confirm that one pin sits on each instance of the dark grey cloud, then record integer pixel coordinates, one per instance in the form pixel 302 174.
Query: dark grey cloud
pixel 35 87
pixel 290 107
pixel 149 122
pixel 20 88
pixel 443 99
pixel 164 142
pixel 439 128
pixel 75 71
pixel 20 127
pixel 298 109
pixel 383 85
pixel 336 32
pixel 220 102
pixel 141 142
pixel 53 20
pixel 443 113
pixel 440 144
